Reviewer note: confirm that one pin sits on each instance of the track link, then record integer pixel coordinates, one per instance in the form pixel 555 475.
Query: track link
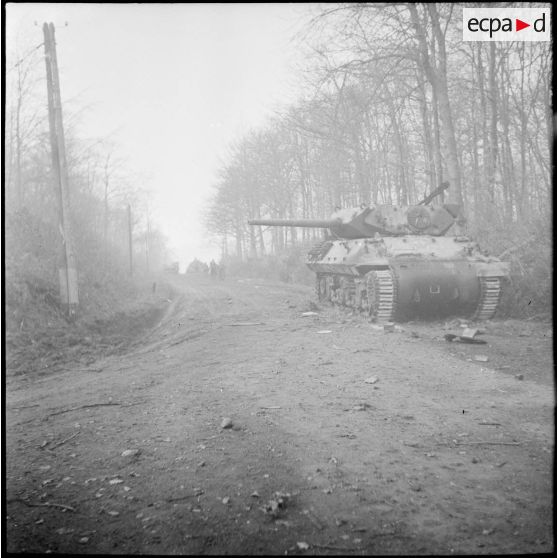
pixel 489 299
pixel 381 291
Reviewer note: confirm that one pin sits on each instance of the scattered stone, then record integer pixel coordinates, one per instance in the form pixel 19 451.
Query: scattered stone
pixel 39 521
pixel 480 358
pixel 64 531
pixel 475 460
pixel 324 331
pixel 487 531
pixel 83 540
pixel 115 481
pixel 114 513
pixel 226 500
pixel 255 494
pixel 130 452
pixel 306 314
pixel 302 545
pixel 371 380
pixel 227 423
pixel 201 464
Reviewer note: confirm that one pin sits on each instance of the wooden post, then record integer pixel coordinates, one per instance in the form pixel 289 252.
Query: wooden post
pixel 67 271
pixel 130 245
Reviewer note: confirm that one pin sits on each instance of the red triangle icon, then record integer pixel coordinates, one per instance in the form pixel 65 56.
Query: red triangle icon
pixel 519 25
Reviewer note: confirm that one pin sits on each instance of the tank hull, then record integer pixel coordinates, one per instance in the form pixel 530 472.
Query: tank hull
pixel 412 277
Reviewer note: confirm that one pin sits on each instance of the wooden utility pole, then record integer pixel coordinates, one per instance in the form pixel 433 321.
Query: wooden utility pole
pixel 130 245
pixel 67 269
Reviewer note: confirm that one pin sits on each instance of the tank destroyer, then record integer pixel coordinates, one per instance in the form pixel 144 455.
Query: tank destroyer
pixel 398 263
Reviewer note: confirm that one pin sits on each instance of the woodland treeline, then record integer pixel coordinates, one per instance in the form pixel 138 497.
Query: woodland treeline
pixel 397 103
pixel 102 187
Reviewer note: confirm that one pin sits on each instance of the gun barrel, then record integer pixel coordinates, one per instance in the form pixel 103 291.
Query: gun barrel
pixel 312 223
pixel 443 186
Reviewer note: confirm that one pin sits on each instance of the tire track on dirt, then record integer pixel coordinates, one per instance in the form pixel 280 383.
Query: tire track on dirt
pixel 375 468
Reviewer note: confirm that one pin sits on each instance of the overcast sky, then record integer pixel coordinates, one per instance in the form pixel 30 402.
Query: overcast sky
pixel 172 85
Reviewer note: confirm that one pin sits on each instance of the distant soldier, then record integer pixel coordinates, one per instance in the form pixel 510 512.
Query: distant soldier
pixel 213 269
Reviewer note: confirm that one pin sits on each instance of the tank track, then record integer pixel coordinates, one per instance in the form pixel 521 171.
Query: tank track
pixel 489 299
pixel 381 289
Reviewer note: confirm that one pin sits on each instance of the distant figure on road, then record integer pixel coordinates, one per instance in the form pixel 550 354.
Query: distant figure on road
pixel 213 269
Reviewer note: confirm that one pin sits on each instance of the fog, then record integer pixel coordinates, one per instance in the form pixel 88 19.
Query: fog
pixel 170 86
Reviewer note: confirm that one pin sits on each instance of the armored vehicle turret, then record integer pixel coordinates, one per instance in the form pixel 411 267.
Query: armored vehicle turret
pixel 395 263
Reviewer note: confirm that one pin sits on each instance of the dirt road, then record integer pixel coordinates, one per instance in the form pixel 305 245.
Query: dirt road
pixel 439 455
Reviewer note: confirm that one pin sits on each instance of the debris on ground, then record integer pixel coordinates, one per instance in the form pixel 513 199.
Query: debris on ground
pixel 362 407
pixel 371 380
pixel 390 326
pixel 469 333
pixel 278 503
pixel 519 376
pixel 306 314
pixel 324 331
pixel 452 337
pixel 227 423
pixel 130 453
pixel 302 545
pixel 480 358
pixel 64 531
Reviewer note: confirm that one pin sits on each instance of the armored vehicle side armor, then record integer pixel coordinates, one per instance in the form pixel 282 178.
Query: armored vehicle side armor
pixel 394 263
